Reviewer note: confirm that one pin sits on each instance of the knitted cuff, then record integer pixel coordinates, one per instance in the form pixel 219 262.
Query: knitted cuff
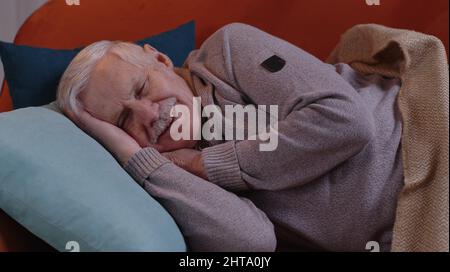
pixel 143 163
pixel 222 166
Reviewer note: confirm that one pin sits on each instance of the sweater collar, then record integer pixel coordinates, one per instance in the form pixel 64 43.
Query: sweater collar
pixel 199 87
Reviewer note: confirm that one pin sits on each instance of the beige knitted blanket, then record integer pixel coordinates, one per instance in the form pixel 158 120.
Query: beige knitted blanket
pixel 421 62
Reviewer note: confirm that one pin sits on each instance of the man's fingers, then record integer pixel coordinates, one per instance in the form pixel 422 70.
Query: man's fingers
pixel 87 121
pixel 90 120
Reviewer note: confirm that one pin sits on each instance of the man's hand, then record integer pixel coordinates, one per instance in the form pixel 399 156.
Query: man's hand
pixel 188 159
pixel 117 141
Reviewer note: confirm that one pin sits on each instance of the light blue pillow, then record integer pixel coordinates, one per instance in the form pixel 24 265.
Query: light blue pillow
pixel 64 186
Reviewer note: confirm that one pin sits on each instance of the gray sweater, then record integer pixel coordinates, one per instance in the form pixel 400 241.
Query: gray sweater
pixel 331 184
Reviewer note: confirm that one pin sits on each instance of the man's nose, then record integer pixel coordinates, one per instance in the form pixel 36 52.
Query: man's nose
pixel 146 112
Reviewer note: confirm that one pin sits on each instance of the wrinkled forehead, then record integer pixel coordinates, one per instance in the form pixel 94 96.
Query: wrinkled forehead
pixel 110 84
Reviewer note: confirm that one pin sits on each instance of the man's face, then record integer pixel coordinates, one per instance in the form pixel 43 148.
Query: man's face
pixel 138 100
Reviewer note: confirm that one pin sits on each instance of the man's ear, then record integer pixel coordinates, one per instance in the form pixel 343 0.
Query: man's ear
pixel 149 48
pixel 164 60
pixel 160 57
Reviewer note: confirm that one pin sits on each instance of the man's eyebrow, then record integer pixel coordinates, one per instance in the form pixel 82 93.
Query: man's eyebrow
pixel 141 87
pixel 124 113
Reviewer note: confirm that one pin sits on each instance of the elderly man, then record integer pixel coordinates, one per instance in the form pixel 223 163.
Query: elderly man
pixel 330 184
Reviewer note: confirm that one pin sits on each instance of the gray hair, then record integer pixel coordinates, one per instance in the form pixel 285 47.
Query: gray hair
pixel 77 75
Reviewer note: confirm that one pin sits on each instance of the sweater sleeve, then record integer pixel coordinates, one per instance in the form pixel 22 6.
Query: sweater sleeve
pixel 210 218
pixel 322 120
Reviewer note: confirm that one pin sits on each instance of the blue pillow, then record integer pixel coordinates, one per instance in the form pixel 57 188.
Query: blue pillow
pixel 33 73
pixel 68 190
